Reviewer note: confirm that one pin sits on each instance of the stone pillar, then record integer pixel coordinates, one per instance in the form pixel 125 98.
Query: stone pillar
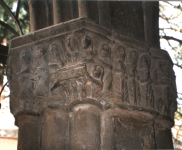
pixel 88 9
pixel 39 17
pixel 56 129
pixel 30 134
pixel 62 11
pixel 81 85
pixel 86 127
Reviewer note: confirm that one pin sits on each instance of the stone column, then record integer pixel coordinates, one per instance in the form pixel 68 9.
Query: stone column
pixel 29 136
pixel 86 127
pixel 56 129
pixel 39 14
pixel 81 85
pixel 62 11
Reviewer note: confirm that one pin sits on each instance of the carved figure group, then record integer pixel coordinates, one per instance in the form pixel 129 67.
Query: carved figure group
pixel 110 74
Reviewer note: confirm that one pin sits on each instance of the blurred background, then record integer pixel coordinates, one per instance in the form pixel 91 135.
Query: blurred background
pixel 170 32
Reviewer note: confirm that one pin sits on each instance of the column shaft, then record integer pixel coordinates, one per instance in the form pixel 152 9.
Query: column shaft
pixel 29 137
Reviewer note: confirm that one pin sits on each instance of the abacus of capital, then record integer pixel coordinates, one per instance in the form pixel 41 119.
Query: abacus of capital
pixel 79 85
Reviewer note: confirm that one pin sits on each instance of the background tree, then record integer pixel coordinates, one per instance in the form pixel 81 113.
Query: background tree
pixel 23 19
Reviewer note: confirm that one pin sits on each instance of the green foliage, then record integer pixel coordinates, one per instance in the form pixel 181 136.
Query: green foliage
pixel 23 18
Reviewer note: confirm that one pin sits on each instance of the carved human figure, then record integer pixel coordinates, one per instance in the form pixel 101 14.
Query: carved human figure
pixel 26 91
pixel 163 73
pixel 87 47
pixel 105 53
pixel 72 50
pixel 105 61
pixel 26 61
pixel 87 53
pixel 119 73
pixel 131 72
pixel 73 89
pixel 163 106
pixel 39 73
pixel 97 80
pixel 133 57
pixel 71 44
pixel 66 86
pixel 143 73
pixel 54 50
pixel 68 58
pixel 40 81
pixel 39 56
pixel 119 59
pixel 81 87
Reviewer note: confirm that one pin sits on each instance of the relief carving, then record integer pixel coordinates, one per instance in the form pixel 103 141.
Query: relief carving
pixel 39 73
pixel 26 91
pixel 132 59
pixel 87 47
pixel 72 53
pixel 119 74
pixel 56 51
pixel 82 88
pixel 26 61
pixel 163 72
pixel 64 68
pixel 163 106
pixel 143 72
pixel 39 56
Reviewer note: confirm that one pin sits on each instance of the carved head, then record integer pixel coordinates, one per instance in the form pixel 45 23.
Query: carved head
pixel 105 51
pixel 120 52
pixel 86 42
pixel 71 43
pixel 98 70
pixel 54 50
pixel 25 57
pixel 39 51
pixel 164 66
pixel 146 62
pixel 133 56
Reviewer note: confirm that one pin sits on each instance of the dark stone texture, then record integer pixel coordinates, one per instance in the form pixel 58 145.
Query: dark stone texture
pixel 29 136
pixel 127 18
pixel 127 130
pixel 39 17
pixel 163 138
pixel 94 89
pixel 151 23
pixel 56 130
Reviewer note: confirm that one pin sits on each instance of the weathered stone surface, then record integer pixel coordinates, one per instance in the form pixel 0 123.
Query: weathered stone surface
pixel 95 88
pixel 163 138
pixel 29 136
pixel 56 130
pixel 123 129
